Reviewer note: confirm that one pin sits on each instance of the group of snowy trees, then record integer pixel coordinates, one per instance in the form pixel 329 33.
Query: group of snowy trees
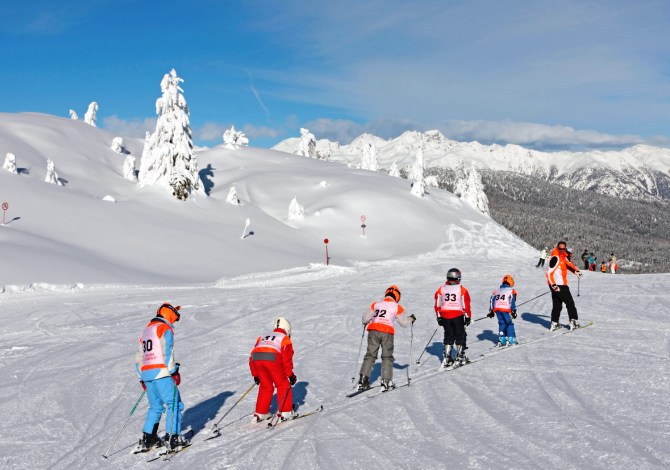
pixel 51 175
pixel 90 117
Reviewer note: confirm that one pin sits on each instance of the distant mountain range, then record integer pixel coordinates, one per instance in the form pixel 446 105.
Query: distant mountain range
pixel 614 201
pixel 641 172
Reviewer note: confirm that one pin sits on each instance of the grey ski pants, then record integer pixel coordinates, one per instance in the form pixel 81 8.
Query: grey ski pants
pixel 377 339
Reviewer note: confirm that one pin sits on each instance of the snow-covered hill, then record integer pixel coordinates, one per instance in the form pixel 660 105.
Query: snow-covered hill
pixel 640 172
pixel 68 234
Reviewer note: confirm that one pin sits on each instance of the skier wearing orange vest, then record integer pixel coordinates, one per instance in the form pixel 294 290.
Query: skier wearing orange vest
pixel 380 321
pixel 503 305
pixel 557 278
pixel 159 376
pixel 452 308
pixel 271 365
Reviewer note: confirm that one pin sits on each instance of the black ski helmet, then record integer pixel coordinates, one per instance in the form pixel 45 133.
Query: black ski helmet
pixel 454 275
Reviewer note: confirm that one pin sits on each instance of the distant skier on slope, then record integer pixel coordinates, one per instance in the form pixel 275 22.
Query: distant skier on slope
pixel 380 321
pixel 503 305
pixel 543 257
pixel 159 376
pixel 271 365
pixel 557 278
pixel 452 308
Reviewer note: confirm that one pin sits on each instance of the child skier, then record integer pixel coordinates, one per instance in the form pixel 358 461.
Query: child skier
pixel 159 376
pixel 380 321
pixel 503 304
pixel 271 365
pixel 452 308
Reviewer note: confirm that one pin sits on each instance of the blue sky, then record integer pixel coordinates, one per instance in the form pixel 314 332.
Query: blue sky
pixel 543 74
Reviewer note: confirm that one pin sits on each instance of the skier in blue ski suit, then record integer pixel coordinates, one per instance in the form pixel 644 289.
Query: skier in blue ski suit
pixel 503 305
pixel 159 376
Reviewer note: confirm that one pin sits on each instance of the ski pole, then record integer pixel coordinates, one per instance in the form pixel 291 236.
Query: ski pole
pixel 522 303
pixel 360 348
pixel 275 419
pixel 411 340
pixel 173 420
pixel 578 287
pixel 418 361
pixel 480 318
pixel 124 424
pixel 215 429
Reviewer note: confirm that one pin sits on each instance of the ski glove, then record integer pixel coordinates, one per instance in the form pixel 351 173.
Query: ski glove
pixel 579 274
pixel 440 321
pixel 177 378
pixel 513 313
pixel 292 379
pixel 412 317
pixel 257 381
pixel 144 386
pixel 490 314
pixel 468 320
pixel 555 288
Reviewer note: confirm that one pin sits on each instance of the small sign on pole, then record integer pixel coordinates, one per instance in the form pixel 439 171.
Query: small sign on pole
pixel 5 206
pixel 363 219
pixel 327 257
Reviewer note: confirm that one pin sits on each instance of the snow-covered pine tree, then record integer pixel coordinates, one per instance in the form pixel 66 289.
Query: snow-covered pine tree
pixel 232 197
pixel 10 163
pixel 52 176
pixel 394 170
pixel 73 115
pixel 369 159
pixel 416 175
pixel 295 210
pixel 91 115
pixel 233 139
pixel 129 172
pixel 168 158
pixel 307 144
pixel 469 187
pixel 117 145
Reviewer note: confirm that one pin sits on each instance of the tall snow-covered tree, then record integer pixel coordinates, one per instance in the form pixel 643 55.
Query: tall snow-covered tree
pixel 369 159
pixel 394 170
pixel 417 172
pixel 307 144
pixel 52 176
pixel 117 145
pixel 419 188
pixel 469 187
pixel 129 172
pixel 295 210
pixel 92 114
pixel 10 163
pixel 233 139
pixel 168 158
pixel 73 115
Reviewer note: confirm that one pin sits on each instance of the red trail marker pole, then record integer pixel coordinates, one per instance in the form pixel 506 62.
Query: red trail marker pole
pixel 363 219
pixel 327 257
pixel 5 206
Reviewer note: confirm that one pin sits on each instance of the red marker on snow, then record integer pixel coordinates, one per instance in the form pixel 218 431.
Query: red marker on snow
pixel 5 206
pixel 325 240
pixel 363 219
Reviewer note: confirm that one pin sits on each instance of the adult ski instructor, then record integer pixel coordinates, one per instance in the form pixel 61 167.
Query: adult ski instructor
pixel 159 376
pixel 557 277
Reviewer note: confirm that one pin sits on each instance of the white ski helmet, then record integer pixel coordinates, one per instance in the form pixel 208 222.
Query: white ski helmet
pixel 283 323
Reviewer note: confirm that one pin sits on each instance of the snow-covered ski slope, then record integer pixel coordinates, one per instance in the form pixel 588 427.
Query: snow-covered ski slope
pixel 595 398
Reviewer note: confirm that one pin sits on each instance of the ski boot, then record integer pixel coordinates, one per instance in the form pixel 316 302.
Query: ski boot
pixel 363 383
pixel 511 340
pixel 285 415
pixel 462 358
pixel 574 324
pixel 502 341
pixel 258 417
pixel 554 326
pixel 448 359
pixel 387 385
pixel 177 442
pixel 149 441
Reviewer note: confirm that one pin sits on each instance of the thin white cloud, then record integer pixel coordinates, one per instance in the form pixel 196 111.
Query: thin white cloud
pixel 137 127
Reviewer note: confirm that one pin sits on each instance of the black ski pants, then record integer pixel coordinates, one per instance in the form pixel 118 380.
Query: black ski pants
pixel 454 331
pixel 563 296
